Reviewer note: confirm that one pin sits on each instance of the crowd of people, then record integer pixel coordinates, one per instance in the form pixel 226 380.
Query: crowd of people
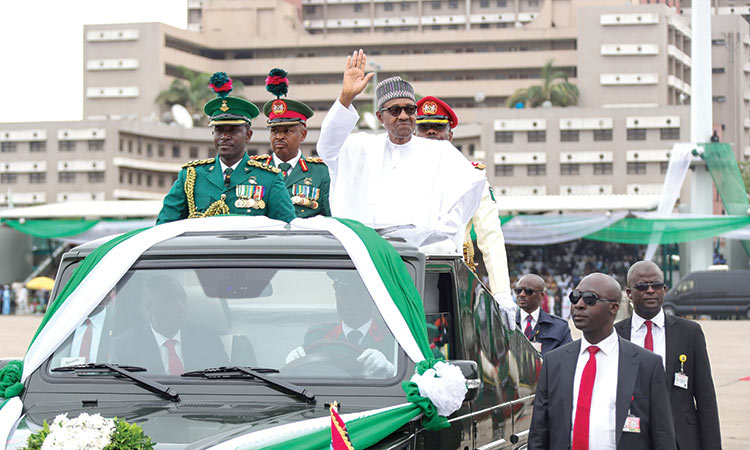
pixel 16 298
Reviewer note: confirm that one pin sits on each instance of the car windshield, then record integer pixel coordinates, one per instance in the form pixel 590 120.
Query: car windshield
pixel 307 323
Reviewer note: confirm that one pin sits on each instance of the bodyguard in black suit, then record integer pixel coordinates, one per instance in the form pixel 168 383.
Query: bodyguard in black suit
pixel 545 330
pixel 691 387
pixel 628 384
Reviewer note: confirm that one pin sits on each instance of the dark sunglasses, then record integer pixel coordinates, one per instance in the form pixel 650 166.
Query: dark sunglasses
pixel 589 298
pixel 528 291
pixel 432 126
pixel 395 110
pixel 643 286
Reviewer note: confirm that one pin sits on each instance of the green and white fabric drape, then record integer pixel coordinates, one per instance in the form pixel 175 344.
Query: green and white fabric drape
pixel 379 265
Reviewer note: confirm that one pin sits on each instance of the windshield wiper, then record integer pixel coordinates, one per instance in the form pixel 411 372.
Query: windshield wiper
pixel 127 372
pixel 257 373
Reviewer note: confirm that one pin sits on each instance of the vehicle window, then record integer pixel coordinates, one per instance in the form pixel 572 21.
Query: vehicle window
pixel 305 322
pixel 685 286
pixel 438 304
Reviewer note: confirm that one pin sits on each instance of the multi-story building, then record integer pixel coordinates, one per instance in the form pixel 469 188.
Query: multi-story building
pixel 630 61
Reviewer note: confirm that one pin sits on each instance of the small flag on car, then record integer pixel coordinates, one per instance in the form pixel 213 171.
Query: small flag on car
pixel 339 436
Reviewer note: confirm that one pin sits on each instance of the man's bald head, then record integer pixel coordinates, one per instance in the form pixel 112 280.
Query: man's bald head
pixel 641 267
pixel 596 320
pixel 605 286
pixel 533 280
pixel 529 290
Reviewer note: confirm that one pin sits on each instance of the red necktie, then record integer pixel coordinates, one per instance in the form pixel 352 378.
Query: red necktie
pixel 648 343
pixel 529 332
pixel 583 407
pixel 175 365
pixel 85 350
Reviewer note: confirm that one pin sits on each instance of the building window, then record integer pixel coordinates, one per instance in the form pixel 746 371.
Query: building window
pixel 405 6
pixel 534 170
pixel 569 135
pixel 140 147
pixel 122 146
pixel 453 4
pixel 160 181
pixel 537 136
pixel 175 151
pixel 719 98
pixel 484 3
pixel 534 3
pixel 717 70
pixel 636 168
pixel 193 152
pixel 669 134
pixel 358 7
pixel 149 178
pixel 436 5
pixel 602 168
pixel 37 178
pixel 636 134
pixel 149 149
pixel 309 9
pixel 502 3
pixel 130 177
pixel 570 169
pixel 503 170
pixel 7 147
pixel 505 137
pixel 66 177
pixel 602 135
pixel 8 178
pixel 95 146
pixel 472 149
pixel 130 146
pixel 139 176
pixel 38 146
pixel 388 6
pixel 67 146
pixel 160 151
pixel 96 177
pixel 663 167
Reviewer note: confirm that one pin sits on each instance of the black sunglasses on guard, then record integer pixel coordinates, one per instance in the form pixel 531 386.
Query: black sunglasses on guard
pixel 643 286
pixel 589 298
pixel 527 290
pixel 395 110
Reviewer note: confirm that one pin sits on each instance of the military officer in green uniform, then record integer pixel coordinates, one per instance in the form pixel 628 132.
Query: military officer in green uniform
pixel 232 183
pixel 306 179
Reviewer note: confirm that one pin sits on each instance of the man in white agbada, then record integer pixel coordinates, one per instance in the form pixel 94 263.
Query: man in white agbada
pixel 394 178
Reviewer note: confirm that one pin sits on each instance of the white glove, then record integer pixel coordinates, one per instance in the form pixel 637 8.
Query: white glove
pixel 376 364
pixel 297 353
pixel 508 310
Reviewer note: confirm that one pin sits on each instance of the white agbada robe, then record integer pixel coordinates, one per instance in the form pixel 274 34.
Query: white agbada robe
pixel 424 182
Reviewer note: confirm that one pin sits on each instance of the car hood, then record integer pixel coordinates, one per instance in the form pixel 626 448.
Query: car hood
pixel 183 425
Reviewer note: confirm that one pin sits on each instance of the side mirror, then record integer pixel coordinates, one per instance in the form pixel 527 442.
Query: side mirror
pixel 470 371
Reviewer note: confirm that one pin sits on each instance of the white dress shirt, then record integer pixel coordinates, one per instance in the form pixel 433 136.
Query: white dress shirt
pixel 97 324
pixel 534 318
pixel 638 332
pixel 233 166
pixel 424 182
pixel 602 435
pixel 292 162
pixel 364 329
pixel 164 352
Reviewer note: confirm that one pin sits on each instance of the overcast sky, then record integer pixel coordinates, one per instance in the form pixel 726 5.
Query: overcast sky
pixel 41 50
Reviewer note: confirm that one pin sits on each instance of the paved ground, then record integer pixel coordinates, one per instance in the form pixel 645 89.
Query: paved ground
pixel 727 346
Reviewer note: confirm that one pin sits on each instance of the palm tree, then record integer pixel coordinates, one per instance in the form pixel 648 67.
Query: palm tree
pixel 558 93
pixel 191 91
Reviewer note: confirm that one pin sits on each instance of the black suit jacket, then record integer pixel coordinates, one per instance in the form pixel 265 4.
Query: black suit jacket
pixel 640 389
pixel 200 349
pixel 694 410
pixel 551 331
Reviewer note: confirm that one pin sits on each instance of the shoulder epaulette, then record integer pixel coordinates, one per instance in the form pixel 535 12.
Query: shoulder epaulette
pixel 198 162
pixel 253 163
pixel 478 165
pixel 314 160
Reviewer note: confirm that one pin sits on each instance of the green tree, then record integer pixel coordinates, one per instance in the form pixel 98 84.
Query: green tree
pixel 745 171
pixel 555 88
pixel 191 90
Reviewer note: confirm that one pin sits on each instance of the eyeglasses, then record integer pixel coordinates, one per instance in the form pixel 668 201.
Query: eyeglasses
pixel 643 286
pixel 395 110
pixel 589 298
pixel 432 126
pixel 527 290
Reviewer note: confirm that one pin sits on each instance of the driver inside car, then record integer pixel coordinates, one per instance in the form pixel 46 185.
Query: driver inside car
pixel 359 325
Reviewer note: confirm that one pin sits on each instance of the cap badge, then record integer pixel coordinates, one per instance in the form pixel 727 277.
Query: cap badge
pixel 224 106
pixel 429 107
pixel 278 107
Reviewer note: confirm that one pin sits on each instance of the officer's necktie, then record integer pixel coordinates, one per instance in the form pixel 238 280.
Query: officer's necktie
pixel 173 359
pixel 648 342
pixel 354 336
pixel 285 168
pixel 529 332
pixel 227 174
pixel 583 407
pixel 85 350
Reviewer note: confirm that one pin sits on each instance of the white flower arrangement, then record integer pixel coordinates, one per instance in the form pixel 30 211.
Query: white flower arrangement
pixel 444 385
pixel 85 432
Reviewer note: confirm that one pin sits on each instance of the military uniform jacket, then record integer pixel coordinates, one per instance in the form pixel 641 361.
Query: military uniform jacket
pixel 310 180
pixel 551 331
pixel 250 179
